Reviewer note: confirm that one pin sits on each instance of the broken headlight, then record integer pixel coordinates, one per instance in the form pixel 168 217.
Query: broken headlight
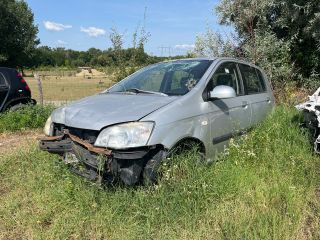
pixel 126 135
pixel 48 127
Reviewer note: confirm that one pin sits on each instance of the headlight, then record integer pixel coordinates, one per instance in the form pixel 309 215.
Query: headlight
pixel 48 128
pixel 134 134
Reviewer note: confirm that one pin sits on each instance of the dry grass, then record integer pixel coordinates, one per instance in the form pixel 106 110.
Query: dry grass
pixel 9 142
pixel 66 88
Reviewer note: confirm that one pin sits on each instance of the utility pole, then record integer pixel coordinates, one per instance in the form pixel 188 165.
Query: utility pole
pixel 165 49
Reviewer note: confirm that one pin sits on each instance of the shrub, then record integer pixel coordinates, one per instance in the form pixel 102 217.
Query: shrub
pixel 29 117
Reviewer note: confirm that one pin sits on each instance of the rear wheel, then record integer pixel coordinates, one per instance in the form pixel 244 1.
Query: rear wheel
pixel 17 107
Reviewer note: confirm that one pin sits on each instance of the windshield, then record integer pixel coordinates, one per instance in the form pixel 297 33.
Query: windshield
pixel 169 78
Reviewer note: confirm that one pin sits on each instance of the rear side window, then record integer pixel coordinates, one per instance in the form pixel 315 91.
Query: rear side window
pixel 262 80
pixel 252 82
pixel 2 80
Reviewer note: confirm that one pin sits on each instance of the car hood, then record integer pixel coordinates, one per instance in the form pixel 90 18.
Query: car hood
pixel 99 111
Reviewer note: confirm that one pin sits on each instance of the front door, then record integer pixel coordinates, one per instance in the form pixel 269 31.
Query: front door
pixel 227 117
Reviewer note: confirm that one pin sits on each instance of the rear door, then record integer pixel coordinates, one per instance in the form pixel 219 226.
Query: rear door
pixel 256 92
pixel 4 89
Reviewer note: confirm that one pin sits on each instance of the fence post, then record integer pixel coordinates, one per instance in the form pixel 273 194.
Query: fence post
pixel 38 79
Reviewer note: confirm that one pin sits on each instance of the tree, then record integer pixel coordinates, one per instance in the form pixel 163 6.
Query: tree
pixel 280 36
pixel 18 33
pixel 116 39
pixel 298 22
pixel 213 44
pixel 294 23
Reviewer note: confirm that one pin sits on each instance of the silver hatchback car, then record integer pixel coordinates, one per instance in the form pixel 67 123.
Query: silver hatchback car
pixel 126 131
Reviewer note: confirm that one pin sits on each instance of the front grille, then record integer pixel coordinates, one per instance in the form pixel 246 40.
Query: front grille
pixel 84 134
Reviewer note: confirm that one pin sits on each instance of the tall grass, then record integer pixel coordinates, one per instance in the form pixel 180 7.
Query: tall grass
pixel 265 186
pixel 29 117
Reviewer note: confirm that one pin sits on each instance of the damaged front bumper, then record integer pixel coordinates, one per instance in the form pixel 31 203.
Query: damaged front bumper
pixel 311 111
pixel 99 164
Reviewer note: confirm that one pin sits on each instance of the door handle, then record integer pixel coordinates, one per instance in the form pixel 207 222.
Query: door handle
pixel 244 104
pixel 268 100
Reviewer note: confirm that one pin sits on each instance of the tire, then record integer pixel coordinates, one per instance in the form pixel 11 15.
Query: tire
pixel 150 172
pixel 17 107
pixel 188 146
pixel 151 169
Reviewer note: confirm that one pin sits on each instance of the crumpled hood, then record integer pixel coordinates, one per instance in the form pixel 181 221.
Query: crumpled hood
pixel 99 111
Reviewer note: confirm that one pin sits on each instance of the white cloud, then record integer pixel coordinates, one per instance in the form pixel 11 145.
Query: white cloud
pixel 93 31
pixel 62 42
pixel 53 26
pixel 184 46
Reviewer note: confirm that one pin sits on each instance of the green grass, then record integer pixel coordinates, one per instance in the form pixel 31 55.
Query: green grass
pixel 266 186
pixel 29 117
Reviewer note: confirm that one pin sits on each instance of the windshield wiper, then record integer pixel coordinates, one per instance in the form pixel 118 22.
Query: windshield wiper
pixel 137 90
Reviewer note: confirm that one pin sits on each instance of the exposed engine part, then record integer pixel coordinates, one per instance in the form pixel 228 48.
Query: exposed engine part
pixel 102 165
pixel 311 112
pixel 66 133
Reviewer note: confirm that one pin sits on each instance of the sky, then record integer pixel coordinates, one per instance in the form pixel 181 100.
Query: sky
pixel 82 24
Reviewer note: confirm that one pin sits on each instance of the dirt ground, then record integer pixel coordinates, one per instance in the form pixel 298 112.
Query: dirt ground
pixel 10 142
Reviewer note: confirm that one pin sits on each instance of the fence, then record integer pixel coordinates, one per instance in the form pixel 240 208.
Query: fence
pixel 57 89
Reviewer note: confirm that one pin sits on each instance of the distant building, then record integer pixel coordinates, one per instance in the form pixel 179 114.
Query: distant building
pixel 85 68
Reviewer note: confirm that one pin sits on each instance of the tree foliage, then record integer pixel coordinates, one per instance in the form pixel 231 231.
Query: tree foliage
pixel 45 56
pixel 281 36
pixel 17 33
pixel 137 54
pixel 116 39
pixel 271 53
pixel 212 43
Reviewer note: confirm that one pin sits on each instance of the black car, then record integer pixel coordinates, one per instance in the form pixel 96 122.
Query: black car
pixel 14 90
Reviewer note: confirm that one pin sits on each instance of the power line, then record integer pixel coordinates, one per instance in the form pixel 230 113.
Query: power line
pixel 165 49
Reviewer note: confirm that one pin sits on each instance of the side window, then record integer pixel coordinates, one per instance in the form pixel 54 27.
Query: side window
pixel 226 74
pixel 252 82
pixel 2 80
pixel 262 80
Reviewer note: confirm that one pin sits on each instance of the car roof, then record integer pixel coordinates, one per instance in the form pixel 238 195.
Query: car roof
pixel 217 59
pixel 6 69
pixel 213 58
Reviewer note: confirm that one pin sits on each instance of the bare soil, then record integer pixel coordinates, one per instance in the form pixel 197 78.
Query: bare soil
pixel 9 142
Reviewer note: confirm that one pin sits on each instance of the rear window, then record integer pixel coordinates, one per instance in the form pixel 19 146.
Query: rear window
pixel 253 83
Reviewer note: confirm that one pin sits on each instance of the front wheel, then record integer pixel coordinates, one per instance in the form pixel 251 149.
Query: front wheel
pixel 151 169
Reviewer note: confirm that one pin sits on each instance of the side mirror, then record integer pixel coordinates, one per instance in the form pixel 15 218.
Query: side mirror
pixel 222 92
